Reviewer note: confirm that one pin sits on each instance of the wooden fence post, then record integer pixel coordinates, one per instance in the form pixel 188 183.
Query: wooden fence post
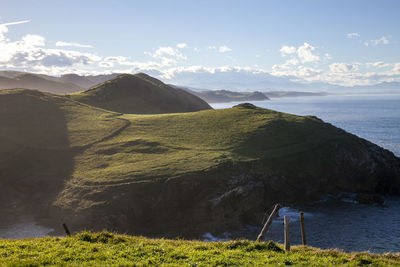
pixel 268 223
pixel 303 232
pixel 66 229
pixel 286 232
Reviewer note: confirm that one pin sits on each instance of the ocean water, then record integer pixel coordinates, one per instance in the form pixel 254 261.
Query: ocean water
pixel 340 222
pixel 372 117
pixel 336 223
pixel 25 227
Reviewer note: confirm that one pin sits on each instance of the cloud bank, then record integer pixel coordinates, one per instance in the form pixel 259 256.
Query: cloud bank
pixel 305 64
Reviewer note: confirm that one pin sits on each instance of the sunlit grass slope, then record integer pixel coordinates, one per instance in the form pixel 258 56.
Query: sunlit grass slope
pixel 106 249
pixel 208 145
pixel 169 145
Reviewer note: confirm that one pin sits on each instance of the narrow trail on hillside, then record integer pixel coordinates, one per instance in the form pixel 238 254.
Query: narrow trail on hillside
pixel 105 138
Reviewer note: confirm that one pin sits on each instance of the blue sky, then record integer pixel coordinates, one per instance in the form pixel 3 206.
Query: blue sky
pixel 337 42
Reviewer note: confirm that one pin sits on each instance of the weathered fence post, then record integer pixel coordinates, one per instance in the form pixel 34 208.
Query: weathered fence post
pixel 303 232
pixel 286 233
pixel 268 223
pixel 66 229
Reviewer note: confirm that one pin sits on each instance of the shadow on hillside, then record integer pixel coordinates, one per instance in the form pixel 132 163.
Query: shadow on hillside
pixel 35 158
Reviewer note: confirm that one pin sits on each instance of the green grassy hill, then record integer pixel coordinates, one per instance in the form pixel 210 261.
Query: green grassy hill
pixel 179 174
pixel 107 249
pixel 140 94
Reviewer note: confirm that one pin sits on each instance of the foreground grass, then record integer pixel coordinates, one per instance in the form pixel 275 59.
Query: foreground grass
pixel 111 249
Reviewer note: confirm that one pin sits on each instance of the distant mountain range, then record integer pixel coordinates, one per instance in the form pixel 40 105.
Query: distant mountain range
pixel 31 81
pixel 278 94
pixel 221 96
pixel 230 90
pixel 243 80
pixel 64 84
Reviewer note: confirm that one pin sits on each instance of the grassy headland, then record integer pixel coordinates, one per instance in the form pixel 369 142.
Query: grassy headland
pixel 100 249
pixel 179 174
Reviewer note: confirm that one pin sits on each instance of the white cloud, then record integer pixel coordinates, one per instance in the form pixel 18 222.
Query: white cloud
pixel 383 40
pixel 299 72
pixel 30 53
pixel 287 50
pixel 15 23
pixel 378 64
pixel 32 40
pixel 308 72
pixel 220 49
pixel 344 67
pixel 111 61
pixel 292 61
pixel 297 56
pixel 353 34
pixel 4 28
pixel 60 43
pixel 276 68
pixel 305 53
pixel 106 64
pixel 168 55
pixel 160 52
pixel 181 45
pixel 224 48
pixel 396 67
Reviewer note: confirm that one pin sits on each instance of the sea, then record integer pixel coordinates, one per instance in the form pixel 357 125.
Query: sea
pixel 372 117
pixel 335 221
pixel 339 221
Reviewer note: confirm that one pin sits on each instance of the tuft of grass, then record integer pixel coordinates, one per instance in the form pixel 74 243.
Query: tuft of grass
pixel 100 249
pixel 103 237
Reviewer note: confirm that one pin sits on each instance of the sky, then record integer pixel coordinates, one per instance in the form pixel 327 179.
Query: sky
pixel 204 43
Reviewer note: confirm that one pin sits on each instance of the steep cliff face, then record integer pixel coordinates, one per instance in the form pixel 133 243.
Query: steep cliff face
pixel 228 196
